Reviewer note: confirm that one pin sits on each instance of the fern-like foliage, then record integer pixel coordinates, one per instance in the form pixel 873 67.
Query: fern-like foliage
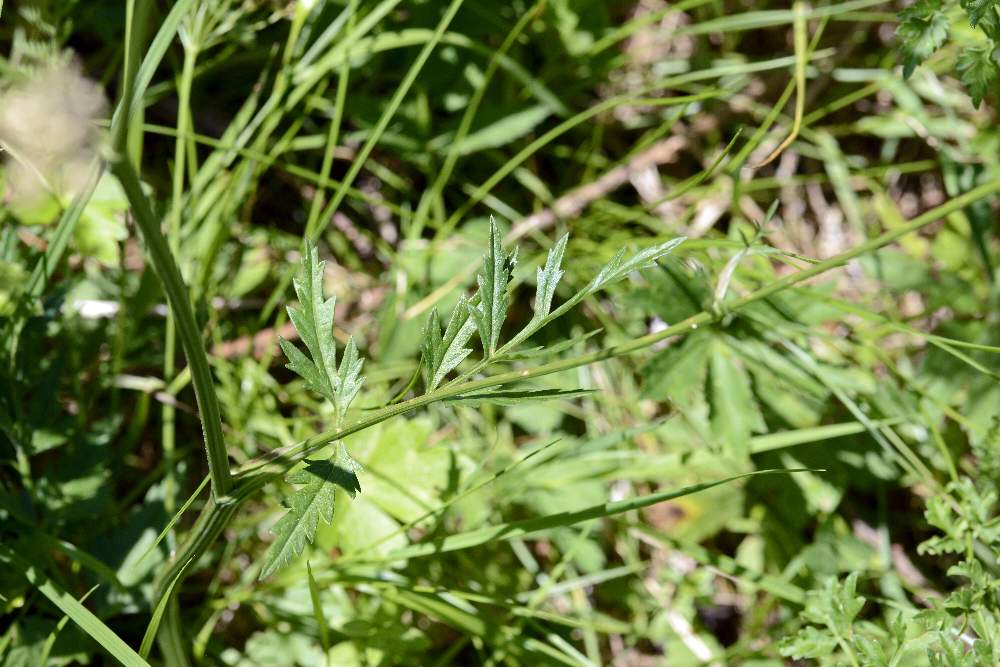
pixel 442 351
pixel 491 310
pixel 924 28
pixel 314 500
pixel 486 310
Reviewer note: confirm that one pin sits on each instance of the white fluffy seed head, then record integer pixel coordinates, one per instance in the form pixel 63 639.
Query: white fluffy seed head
pixel 48 127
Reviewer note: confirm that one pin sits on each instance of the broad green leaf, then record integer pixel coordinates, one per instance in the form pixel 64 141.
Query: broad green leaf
pixel 102 225
pixel 678 373
pixel 922 30
pixel 406 472
pixel 977 9
pixel 309 505
pixel 491 311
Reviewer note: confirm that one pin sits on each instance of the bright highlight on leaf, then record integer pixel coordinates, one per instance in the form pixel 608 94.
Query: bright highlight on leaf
pixel 491 310
pixel 308 506
pixel 314 501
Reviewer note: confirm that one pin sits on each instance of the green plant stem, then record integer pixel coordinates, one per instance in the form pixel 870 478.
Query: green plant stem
pixel 187 328
pixel 283 459
pixel 169 412
pixel 253 476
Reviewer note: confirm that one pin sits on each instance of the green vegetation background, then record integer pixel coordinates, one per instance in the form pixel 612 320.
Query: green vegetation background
pixel 557 520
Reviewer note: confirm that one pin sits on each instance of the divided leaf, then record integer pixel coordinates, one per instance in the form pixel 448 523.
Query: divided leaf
pixel 309 505
pixel 619 267
pixel 313 320
pixel 977 9
pixel 490 312
pixel 349 377
pixel 978 71
pixel 444 354
pixel 548 278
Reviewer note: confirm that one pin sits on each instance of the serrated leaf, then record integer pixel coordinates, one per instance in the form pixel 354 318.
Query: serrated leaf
pixel 349 376
pixel 313 320
pixel 307 506
pixel 444 354
pixel 923 28
pixel 491 311
pixel 517 396
pixel 808 643
pixel 978 72
pixel 619 267
pixel 548 278
pixel 977 9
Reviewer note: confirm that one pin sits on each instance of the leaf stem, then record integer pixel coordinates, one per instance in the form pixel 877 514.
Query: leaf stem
pixel 187 328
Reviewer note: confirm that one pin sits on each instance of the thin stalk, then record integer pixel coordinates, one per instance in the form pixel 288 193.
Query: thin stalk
pixel 187 328
pixel 253 476
pixel 333 133
pixel 451 159
pixel 169 412
pixel 383 122
pixel 283 459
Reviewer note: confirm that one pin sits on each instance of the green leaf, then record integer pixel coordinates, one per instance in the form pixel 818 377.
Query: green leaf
pixel 923 28
pixel 619 267
pixel 516 396
pixel 444 354
pixel 518 529
pixel 309 505
pixel 313 320
pixel 490 312
pixel 349 376
pixel 978 71
pixel 548 278
pixel 735 415
pixel 808 643
pixel 509 127
pixel 70 606
pixel 836 606
pixel 102 224
pixel 977 9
